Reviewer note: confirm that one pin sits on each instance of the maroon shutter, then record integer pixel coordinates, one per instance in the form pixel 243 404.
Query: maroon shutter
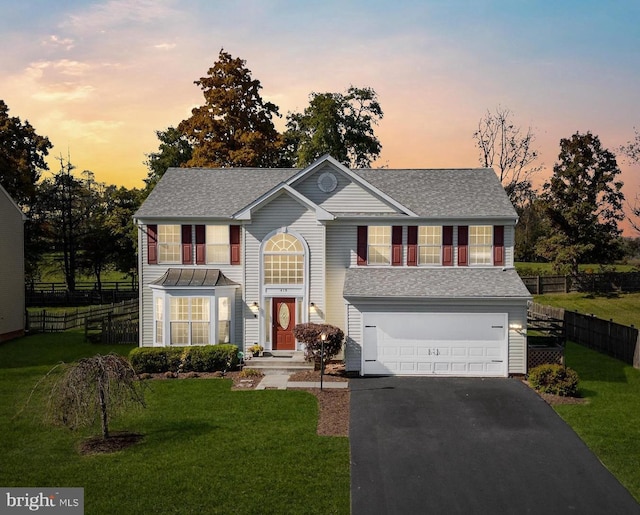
pixel 234 244
pixel 186 245
pixel 447 245
pixel 498 245
pixel 396 245
pixel 412 245
pixel 362 245
pixel 463 245
pixel 152 244
pixel 201 252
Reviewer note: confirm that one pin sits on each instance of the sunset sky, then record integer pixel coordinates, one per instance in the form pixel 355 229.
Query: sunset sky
pixel 98 78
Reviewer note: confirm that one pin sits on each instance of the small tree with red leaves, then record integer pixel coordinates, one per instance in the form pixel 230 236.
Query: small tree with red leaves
pixel 311 335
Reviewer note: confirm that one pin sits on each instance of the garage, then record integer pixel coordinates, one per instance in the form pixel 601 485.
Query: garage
pixel 447 344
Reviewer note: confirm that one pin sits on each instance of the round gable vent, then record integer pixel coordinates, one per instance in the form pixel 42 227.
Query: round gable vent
pixel 327 182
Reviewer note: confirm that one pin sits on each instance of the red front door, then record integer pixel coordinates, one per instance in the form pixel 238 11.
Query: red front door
pixel 284 320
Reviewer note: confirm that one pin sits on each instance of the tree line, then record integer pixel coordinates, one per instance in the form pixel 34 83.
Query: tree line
pixel 88 225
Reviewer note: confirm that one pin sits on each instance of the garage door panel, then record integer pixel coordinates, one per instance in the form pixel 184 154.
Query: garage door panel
pixel 406 344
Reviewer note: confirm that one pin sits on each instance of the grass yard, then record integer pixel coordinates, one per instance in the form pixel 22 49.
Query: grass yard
pixel 610 423
pixel 623 309
pixel 206 449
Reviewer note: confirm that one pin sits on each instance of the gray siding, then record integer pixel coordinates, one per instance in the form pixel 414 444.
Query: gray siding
pixel 347 197
pixel 284 211
pixel 150 273
pixel 12 269
pixel 341 242
pixel 353 348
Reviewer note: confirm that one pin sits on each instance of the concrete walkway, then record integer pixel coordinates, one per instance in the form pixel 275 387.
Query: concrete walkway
pixel 281 382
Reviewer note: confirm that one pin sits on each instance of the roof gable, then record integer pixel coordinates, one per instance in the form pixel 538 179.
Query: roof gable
pixel 363 197
pixel 246 212
pixel 225 193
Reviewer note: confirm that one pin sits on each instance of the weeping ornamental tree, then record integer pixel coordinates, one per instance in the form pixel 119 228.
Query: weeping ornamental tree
pixel 92 388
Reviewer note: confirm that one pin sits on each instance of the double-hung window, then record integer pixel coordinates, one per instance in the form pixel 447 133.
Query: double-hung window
pixel 217 238
pixel 480 244
pixel 430 245
pixel 189 320
pixel 169 243
pixel 379 245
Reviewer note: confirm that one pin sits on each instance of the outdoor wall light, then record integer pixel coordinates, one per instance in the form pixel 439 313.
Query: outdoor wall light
pixel 254 309
pixel 515 327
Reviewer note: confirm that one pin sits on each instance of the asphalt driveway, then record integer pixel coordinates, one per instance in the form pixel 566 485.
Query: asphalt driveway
pixel 467 445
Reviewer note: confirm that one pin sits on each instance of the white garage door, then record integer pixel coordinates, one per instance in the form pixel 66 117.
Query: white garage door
pixel 452 344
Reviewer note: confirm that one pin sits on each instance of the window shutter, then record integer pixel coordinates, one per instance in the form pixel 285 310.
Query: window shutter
pixel 186 245
pixel 463 245
pixel 396 245
pixel 412 245
pixel 498 245
pixel 152 244
pixel 201 247
pixel 447 245
pixel 362 245
pixel 234 244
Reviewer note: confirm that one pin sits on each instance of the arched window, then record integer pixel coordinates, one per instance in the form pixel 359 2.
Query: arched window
pixel 283 260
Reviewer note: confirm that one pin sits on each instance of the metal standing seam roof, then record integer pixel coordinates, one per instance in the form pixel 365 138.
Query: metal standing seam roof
pixel 190 277
pixel 221 192
pixel 441 283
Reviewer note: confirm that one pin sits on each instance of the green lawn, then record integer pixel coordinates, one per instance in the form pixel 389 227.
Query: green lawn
pixel 623 309
pixel 610 423
pixel 206 449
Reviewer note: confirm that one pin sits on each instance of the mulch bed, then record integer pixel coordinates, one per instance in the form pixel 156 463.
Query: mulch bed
pixel 554 400
pixel 117 441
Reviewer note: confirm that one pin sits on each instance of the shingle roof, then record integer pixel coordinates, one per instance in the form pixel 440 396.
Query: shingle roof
pixel 221 192
pixel 441 283
pixel 453 193
pixel 210 192
pixel 189 277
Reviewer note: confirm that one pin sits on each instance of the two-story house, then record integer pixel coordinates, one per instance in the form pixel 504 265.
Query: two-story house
pixel 416 266
pixel 12 270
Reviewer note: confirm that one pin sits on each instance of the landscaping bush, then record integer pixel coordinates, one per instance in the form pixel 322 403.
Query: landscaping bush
pixel 309 334
pixel 205 358
pixel 554 379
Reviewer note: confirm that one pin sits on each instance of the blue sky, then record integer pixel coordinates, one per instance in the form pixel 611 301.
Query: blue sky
pixel 99 77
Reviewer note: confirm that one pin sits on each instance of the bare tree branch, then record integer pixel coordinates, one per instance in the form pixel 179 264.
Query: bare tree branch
pixel 506 148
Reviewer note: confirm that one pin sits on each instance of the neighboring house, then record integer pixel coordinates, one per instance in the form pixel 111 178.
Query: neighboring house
pixel 416 266
pixel 11 268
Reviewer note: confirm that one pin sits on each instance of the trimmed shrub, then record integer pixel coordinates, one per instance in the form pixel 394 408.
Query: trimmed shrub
pixel 554 379
pixel 310 333
pixel 205 358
